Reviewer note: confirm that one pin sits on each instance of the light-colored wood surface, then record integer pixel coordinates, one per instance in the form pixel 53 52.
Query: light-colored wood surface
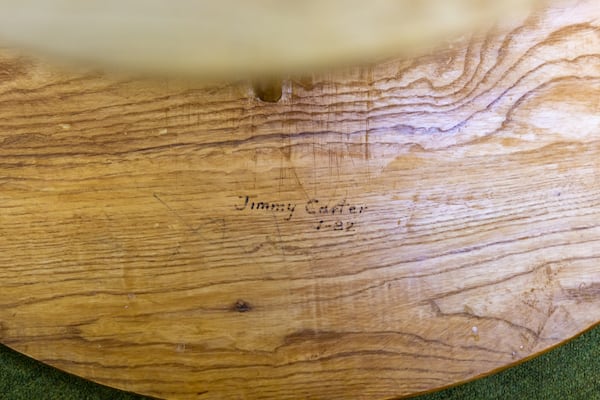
pixel 459 196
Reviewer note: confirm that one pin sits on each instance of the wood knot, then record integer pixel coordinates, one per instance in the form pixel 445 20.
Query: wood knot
pixel 242 306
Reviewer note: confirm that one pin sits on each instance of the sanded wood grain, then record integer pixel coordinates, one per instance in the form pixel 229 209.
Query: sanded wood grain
pixel 376 232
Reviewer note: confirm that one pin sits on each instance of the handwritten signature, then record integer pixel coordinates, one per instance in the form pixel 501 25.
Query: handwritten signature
pixel 330 215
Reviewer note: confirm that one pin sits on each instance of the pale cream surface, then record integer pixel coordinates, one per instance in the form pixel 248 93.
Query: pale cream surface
pixel 234 37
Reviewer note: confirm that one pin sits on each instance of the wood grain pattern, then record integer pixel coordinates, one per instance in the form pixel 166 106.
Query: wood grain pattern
pixel 377 232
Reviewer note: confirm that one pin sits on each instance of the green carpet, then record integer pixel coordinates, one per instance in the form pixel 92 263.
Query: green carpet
pixel 571 371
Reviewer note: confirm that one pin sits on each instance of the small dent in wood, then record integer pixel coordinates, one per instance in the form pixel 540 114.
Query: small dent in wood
pixel 242 306
pixel 269 90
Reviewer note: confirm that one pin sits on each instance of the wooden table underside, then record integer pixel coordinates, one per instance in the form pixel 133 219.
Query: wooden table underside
pixel 378 232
